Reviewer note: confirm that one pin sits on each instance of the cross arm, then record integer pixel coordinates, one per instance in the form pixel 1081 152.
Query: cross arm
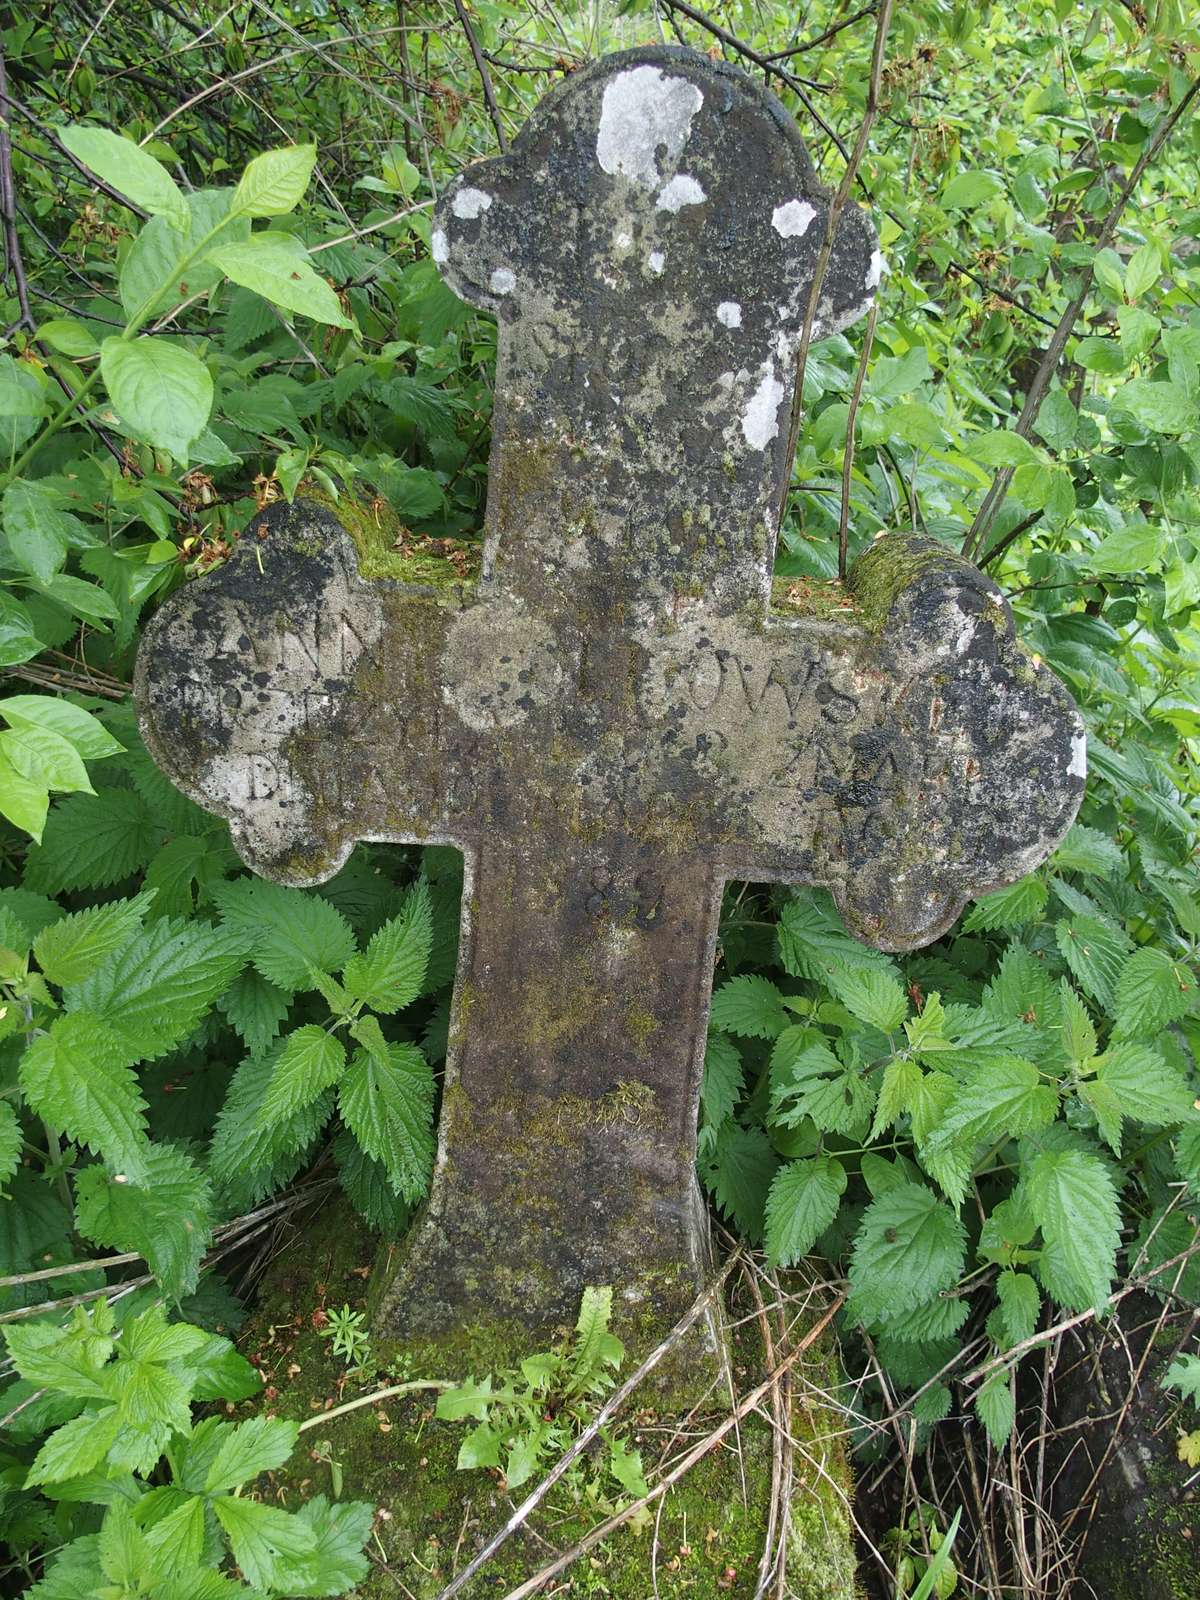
pixel 297 698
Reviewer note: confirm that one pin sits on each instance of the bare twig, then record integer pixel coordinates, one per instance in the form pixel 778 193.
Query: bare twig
pixel 848 453
pixel 489 94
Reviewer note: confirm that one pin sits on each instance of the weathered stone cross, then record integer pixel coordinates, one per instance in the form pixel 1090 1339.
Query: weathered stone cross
pixel 614 720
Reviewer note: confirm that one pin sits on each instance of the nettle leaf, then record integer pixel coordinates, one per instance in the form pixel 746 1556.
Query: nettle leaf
pixel 161 391
pixel 310 1062
pixel 740 1174
pixel 1152 992
pixel 153 992
pixel 129 169
pixel 898 1092
pixel 721 1087
pixel 11 1142
pixel 808 1080
pixel 1072 1199
pixel 250 1159
pixel 1021 902
pixel 996 1407
pixel 1095 952
pixel 1005 1097
pixel 73 948
pixel 166 1219
pixel 248 1448
pixel 1078 1029
pixel 274 183
pixel 91 841
pixel 749 1006
pixel 255 1007
pixel 909 1247
pixel 369 1188
pixel 803 1201
pixel 1143 1085
pixel 1187 1156
pixel 873 997
pixel 287 931
pixel 813 942
pixel 75 1076
pixel 1020 1304
pixel 390 973
pixel 277 266
pixel 1088 850
pixel 387 1103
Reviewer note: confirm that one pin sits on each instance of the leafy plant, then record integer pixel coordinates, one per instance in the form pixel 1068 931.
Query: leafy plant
pixel 525 1419
pixel 348 1337
pixel 114 1400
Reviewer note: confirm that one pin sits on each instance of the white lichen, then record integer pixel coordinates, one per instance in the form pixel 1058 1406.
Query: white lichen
pixel 729 314
pixel 680 191
pixel 1078 767
pixel 876 269
pixel 793 219
pixel 643 111
pixel 439 246
pixel 656 261
pixel 760 419
pixel 502 281
pixel 468 203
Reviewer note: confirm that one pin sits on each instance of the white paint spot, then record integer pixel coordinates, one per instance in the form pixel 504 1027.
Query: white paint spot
pixel 468 203
pixel 502 281
pixel 623 240
pixel 760 420
pixel 793 219
pixel 1078 766
pixel 679 192
pixel 439 246
pixel 876 270
pixel 729 314
pixel 656 261
pixel 644 109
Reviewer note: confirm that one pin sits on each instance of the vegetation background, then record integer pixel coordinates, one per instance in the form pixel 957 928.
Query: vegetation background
pixel 986 1140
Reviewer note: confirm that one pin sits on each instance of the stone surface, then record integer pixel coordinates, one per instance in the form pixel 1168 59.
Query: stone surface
pixel 613 719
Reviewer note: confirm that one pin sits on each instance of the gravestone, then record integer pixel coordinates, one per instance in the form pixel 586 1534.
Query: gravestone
pixel 622 711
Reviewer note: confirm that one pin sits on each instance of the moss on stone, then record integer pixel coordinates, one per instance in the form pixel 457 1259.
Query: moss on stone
pixel 431 1517
pixel 824 599
pixel 385 548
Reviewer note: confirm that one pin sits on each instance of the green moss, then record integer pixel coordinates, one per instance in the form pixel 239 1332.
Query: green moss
pixel 431 1517
pixel 827 600
pixel 384 551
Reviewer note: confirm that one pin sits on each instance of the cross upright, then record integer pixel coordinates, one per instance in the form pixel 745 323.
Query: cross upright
pixel 614 719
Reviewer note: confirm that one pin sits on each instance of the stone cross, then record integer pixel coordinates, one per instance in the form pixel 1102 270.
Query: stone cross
pixel 621 713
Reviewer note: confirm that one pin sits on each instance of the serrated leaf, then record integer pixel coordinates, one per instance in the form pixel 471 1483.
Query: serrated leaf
pixel 1020 1304
pixel 802 1202
pixel 388 1106
pixel 369 1188
pixel 248 1159
pixel 467 1399
pixel 873 997
pixel 76 1077
pixel 91 841
pixel 1184 1375
pixel 740 1173
pixel 813 942
pixel 1152 992
pixel 274 183
pixel 1088 850
pixel 255 1007
pixel 908 1248
pixel 128 168
pixel 248 1448
pixel 808 1080
pixel 1021 902
pixel 166 1219
pixel 996 1408
pixel 338 1563
pixel 897 1093
pixel 390 973
pixel 266 1541
pixel 1144 1086
pixel 288 931
pixel 154 990
pixel 10 1143
pixel 73 948
pixel 1072 1199
pixel 310 1062
pixel 1078 1029
pixel 1004 1098
pixel 78 1446
pixel 749 1006
pixel 721 1086
pixel 1095 952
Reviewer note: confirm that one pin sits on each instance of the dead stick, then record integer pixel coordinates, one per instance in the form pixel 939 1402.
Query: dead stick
pixel 1048 366
pixel 485 79
pixel 697 1453
pixel 605 1415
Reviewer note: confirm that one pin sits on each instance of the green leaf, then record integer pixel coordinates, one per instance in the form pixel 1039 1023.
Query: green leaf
pixel 68 337
pixel 813 942
pixel 86 732
pixel 1057 420
pixel 369 1188
pixel 388 1106
pixel 721 1087
pixel 38 532
pixel 23 801
pixel 158 275
pixel 808 1080
pixel 249 1159
pixel 1004 1096
pixel 274 183
pixel 153 992
pixel 255 1007
pixel 1002 448
pixel 466 1399
pixel 1095 952
pixel 1012 907
pixel 91 841
pixel 390 973
pixel 968 190
pixel 73 948
pixel 167 1219
pixel 803 1201
pixel 288 931
pixel 1184 1375
pixel 897 1093
pixel 77 1447
pixel 996 1408
pixel 277 266
pixel 129 169
pixel 310 1062
pixel 625 1464
pixel 248 1448
pixel 161 391
pixel 1020 1304
pixel 1161 407
pixel 1133 547
pixel 594 1346
pixel 1072 1199
pixel 22 405
pixel 1142 271
pixel 909 1247
pixel 75 1077
pixel 740 1173
pixel 1152 992
pixel 338 1564
pixel 1144 1086
pixel 1104 356
pixel 1088 850
pixel 1078 1029
pixel 749 1006
pixel 873 997
pixel 10 1143
pixel 266 1542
